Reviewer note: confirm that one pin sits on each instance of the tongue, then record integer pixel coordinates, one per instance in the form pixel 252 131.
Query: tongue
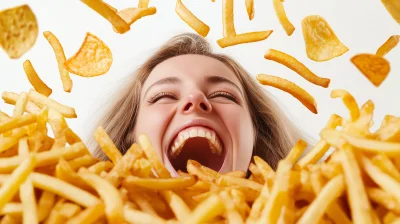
pixel 197 149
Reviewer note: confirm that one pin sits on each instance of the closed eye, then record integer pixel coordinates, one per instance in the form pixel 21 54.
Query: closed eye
pixel 225 95
pixel 162 95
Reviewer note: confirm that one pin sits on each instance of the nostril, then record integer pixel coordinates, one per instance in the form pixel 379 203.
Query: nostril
pixel 187 107
pixel 203 106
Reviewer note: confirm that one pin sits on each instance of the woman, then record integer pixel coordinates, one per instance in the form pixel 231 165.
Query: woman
pixel 196 104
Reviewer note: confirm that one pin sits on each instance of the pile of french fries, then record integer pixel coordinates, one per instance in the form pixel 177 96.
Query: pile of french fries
pixel 51 177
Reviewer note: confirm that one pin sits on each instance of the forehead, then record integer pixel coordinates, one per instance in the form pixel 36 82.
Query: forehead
pixel 191 68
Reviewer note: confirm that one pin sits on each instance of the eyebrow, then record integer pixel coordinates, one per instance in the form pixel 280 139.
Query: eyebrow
pixel 168 80
pixel 220 79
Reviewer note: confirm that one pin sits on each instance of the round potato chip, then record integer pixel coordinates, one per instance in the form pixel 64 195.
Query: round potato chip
pixel 18 30
pixel 322 44
pixel 374 67
pixel 93 58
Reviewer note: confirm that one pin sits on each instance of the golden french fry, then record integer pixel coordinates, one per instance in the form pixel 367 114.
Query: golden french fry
pixel 393 7
pixel 190 19
pixel 160 184
pixel 373 67
pixel 296 151
pixel 108 193
pixel 20 105
pixel 12 208
pixel 101 166
pixel 295 65
pixel 11 98
pixel 358 199
pixel 321 42
pixel 89 215
pixel 35 80
pixel 107 145
pixel 152 156
pixel 19 30
pixel 384 198
pixel 18 177
pixel 228 18
pixel 83 161
pixel 388 45
pixel 60 56
pixel 106 12
pixel 142 202
pixel 42 101
pixel 383 161
pixel 63 189
pixel 65 172
pixel 45 204
pixel 349 101
pixel 238 173
pixel 225 180
pixel 131 15
pixel 250 8
pixel 233 216
pixel 328 194
pixel 207 210
pixel 244 38
pixel 281 14
pixel 17 122
pixel 8 142
pixel 135 216
pixel 203 173
pixel 177 204
pixel 296 91
pixel 143 3
pixel 93 58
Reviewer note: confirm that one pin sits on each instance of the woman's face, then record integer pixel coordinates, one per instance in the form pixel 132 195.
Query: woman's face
pixel 193 107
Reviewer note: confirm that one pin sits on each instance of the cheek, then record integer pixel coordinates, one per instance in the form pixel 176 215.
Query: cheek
pixel 153 121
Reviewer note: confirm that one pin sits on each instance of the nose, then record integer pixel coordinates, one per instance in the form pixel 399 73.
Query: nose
pixel 196 102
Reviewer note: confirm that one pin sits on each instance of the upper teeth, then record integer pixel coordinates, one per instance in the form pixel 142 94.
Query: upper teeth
pixel 183 136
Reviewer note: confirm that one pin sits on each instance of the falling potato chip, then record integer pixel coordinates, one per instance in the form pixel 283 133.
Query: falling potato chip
pixel 374 67
pixel 393 7
pixel 18 30
pixel 322 44
pixel 94 58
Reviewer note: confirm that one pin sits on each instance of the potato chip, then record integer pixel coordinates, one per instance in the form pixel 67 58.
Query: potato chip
pixel 93 58
pixel 303 96
pixel 388 45
pixel 321 42
pixel 393 7
pixel 131 15
pixel 19 30
pixel 373 67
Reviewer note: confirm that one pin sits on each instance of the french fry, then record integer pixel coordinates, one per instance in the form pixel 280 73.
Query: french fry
pixel 225 180
pixel 295 65
pixel 17 122
pixel 142 202
pixel 11 98
pixel 35 80
pixel 238 173
pixel 244 38
pixel 207 210
pixel 83 161
pixel 45 204
pixel 178 206
pixel 106 12
pixel 281 14
pixel 228 18
pixel 383 162
pixel 12 208
pixel 107 145
pixel 131 15
pixel 8 142
pixel 65 172
pixel 10 219
pixel 385 199
pixel 134 216
pixel 190 19
pixel 393 7
pixel 101 166
pixel 203 173
pixel 18 176
pixel 89 215
pixel 42 100
pixel 63 189
pixel 160 184
pixel 233 215
pixel 20 105
pixel 296 91
pixel 68 209
pixel 152 156
pixel 296 151
pixel 349 101
pixel 388 45
pixel 108 193
pixel 60 56
pixel 250 8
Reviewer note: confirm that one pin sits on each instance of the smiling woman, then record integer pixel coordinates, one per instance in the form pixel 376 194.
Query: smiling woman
pixel 196 104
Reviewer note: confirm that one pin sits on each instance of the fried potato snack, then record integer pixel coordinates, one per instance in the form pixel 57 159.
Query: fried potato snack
pixel 373 67
pixel 321 42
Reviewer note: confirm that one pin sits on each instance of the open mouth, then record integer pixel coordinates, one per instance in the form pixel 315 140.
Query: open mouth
pixel 196 143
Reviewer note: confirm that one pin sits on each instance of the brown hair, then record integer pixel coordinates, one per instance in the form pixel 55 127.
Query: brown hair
pixel 274 133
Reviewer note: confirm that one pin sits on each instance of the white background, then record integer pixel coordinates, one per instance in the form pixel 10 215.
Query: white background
pixel 362 25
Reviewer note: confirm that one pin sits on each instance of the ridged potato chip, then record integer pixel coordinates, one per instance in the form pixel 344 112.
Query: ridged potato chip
pixel 93 58
pixel 393 7
pixel 374 67
pixel 321 42
pixel 18 30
